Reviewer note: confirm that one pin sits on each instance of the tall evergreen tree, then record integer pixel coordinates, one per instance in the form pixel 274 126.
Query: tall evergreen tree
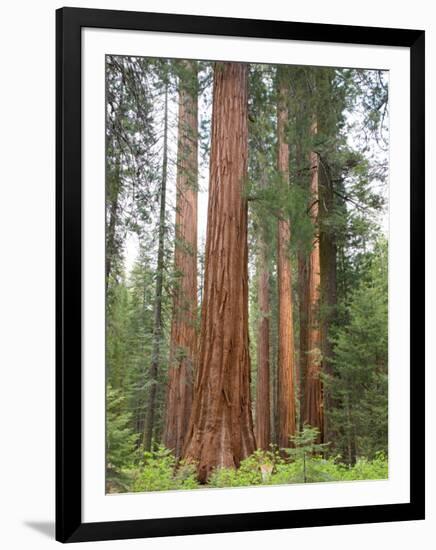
pixel 183 344
pixel 158 322
pixel 314 406
pixel 221 426
pixel 286 405
pixel 262 164
pixel 360 370
pixel 263 407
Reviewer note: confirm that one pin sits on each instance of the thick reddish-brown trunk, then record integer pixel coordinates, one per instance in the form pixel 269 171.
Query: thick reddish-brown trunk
pixel 314 412
pixel 273 357
pixel 302 297
pixel 183 342
pixel 221 426
pixel 327 250
pixel 286 367
pixel 263 420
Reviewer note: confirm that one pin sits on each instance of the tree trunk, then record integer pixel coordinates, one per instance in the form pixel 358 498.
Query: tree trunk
pixel 328 268
pixel 157 329
pixel 263 420
pixel 303 308
pixel 113 193
pixel 183 343
pixel 286 366
pixel 313 391
pixel 114 186
pixel 303 294
pixel 221 425
pixel 273 355
pixel 112 198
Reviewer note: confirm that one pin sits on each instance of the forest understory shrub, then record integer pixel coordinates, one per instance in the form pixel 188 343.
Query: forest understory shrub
pixel 158 471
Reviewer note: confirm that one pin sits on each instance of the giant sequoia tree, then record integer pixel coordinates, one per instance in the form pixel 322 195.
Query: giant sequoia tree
pixel 221 426
pixel 314 407
pixel 286 366
pixel 328 121
pixel 183 342
pixel 263 406
pixel 262 165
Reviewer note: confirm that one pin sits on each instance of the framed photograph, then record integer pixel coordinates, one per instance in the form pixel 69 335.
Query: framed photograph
pixel 240 274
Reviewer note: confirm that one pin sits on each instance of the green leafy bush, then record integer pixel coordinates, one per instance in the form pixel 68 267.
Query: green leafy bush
pixel 158 472
pixel 254 470
pixel 302 462
pixel 368 469
pixel 120 443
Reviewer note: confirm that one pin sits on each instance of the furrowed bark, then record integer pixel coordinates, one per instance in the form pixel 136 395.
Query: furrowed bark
pixel 286 366
pixel 221 426
pixel 263 420
pixel 183 340
pixel 303 311
pixel 314 411
pixel 273 358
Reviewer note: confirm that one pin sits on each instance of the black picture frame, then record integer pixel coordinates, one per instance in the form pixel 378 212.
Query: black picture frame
pixel 69 525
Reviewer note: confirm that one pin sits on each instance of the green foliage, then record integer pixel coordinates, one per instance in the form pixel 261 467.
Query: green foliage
pixel 117 333
pixel 307 470
pixel 377 468
pixel 301 463
pixel 360 365
pixel 158 472
pixel 254 470
pixel 120 441
pixel 304 445
pixel 305 442
pixel 294 468
pixel 321 470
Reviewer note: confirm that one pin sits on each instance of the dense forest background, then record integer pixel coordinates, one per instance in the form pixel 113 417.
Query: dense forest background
pixel 246 274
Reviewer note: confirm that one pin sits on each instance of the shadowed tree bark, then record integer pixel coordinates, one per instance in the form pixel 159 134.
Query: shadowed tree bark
pixel 183 340
pixel 328 292
pixel 286 366
pixel 263 420
pixel 113 189
pixel 221 427
pixel 112 198
pixel 303 291
pixel 327 241
pixel 302 298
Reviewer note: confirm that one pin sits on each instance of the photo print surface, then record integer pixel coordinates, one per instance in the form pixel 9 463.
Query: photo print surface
pixel 246 274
